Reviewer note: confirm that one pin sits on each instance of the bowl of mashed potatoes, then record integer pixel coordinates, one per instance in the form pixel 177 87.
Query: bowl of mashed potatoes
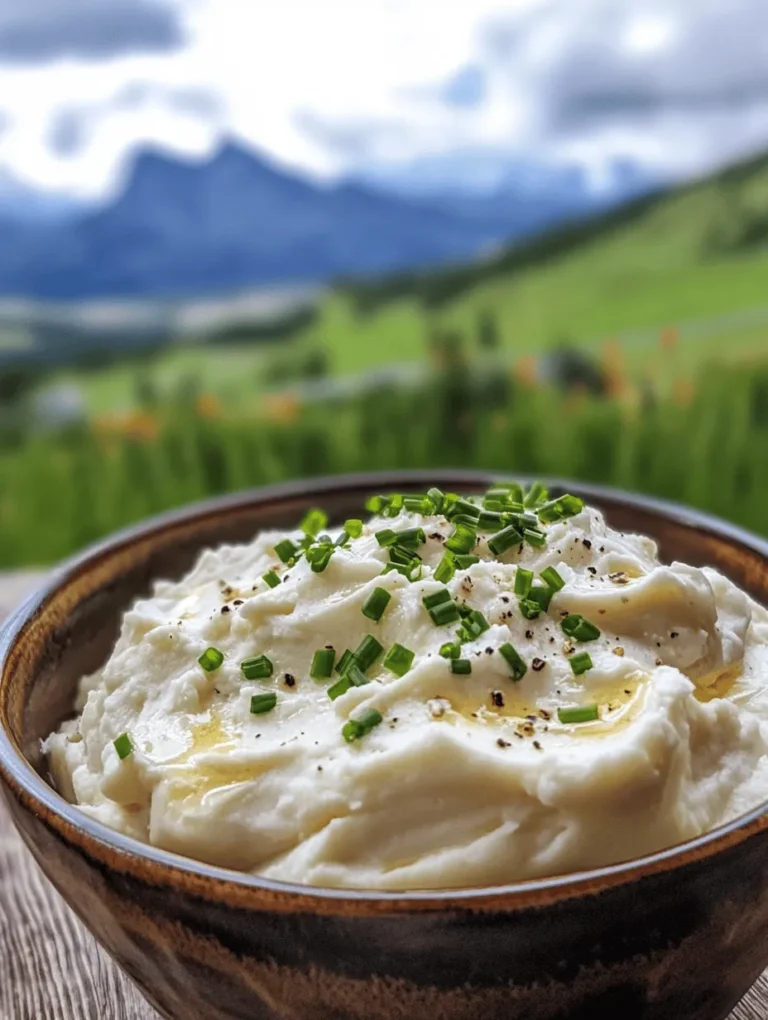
pixel 377 746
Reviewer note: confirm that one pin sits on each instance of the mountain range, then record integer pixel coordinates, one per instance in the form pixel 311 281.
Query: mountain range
pixel 182 227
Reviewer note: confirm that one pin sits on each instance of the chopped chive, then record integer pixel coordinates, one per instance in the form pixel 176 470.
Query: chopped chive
pixel 211 659
pixel 446 612
pixel 347 658
pixel 436 598
pixel 465 561
pixel 514 660
pixel 411 537
pixel 402 556
pixel 376 603
pixel 468 522
pixel 514 490
pixel 286 549
pixel 504 540
pixel 463 539
pixel 523 581
pixel 341 686
pixel 461 666
pixel 322 664
pixel 497 506
pixel 474 625
pixel 551 577
pixel 535 495
pixel 367 652
pixel 399 659
pixel 419 505
pixel 261 703
pixel 580 714
pixel 314 521
pixel 259 667
pixel 271 579
pixel 411 571
pixel 580 663
pixel 489 520
pixel 124 746
pixel 560 509
pixel 386 537
pixel 355 729
pixel 536 602
pixel 319 556
pixel 438 498
pixel 464 507
pixel 446 568
pixel 353 527
pixel 576 627
pixel 356 676
pixel 535 538
pixel 450 650
pixel 375 504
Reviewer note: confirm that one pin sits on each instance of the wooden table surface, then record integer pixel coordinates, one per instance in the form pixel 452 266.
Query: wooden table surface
pixel 51 968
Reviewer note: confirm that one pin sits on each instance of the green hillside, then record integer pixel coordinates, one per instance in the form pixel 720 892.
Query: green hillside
pixel 697 254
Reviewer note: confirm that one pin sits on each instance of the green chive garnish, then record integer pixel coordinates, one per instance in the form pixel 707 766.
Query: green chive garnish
pixel 536 602
pixel 354 729
pixel 123 746
pixel 464 508
pixel 211 659
pixel 399 660
pixel 319 556
pixel 340 687
pixel 463 540
pixel 436 598
pixel 376 603
pixel 259 667
pixel 560 509
pixel 353 527
pixel 286 550
pixel 450 650
pixel 322 664
pixel 446 568
pixel 551 577
pixel 535 538
pixel 438 498
pixel 514 660
pixel 474 625
pixel 386 537
pixel 411 537
pixel 419 505
pixel 367 652
pixel 504 540
pixel 489 520
pixel 580 663
pixel 314 521
pixel 463 562
pixel 261 703
pixel 461 666
pixel 576 627
pixel 580 714
pixel 347 658
pixel 523 581
pixel 535 495
pixel 271 579
pixel 446 612
pixel 355 676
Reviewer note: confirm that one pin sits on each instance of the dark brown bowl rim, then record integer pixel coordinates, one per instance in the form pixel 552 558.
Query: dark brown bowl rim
pixel 48 805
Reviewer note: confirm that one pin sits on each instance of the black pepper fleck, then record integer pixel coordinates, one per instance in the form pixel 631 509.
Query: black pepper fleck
pixel 537 745
pixel 502 743
pixel 529 634
pixel 504 598
pixel 537 665
pixel 225 609
pixel 586 543
pixel 290 680
pixel 497 698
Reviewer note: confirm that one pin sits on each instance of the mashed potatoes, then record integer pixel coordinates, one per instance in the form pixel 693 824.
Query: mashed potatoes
pixel 561 701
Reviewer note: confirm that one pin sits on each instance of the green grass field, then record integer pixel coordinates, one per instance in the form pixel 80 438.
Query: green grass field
pixel 696 254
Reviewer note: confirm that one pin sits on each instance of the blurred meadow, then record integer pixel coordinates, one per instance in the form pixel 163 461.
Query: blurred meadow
pixel 145 363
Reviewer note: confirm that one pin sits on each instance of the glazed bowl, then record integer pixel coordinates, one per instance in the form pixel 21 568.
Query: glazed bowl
pixel 679 935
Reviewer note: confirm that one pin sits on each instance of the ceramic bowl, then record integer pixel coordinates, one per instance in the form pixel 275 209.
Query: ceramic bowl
pixel 680 935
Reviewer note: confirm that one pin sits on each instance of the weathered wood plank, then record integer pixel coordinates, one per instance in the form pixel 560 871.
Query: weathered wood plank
pixel 52 969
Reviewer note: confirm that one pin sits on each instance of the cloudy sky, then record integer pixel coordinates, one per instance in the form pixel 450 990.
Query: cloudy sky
pixel 344 85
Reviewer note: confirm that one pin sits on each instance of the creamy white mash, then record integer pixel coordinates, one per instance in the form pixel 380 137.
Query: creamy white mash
pixel 444 778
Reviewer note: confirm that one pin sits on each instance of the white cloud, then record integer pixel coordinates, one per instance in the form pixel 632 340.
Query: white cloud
pixel 330 87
